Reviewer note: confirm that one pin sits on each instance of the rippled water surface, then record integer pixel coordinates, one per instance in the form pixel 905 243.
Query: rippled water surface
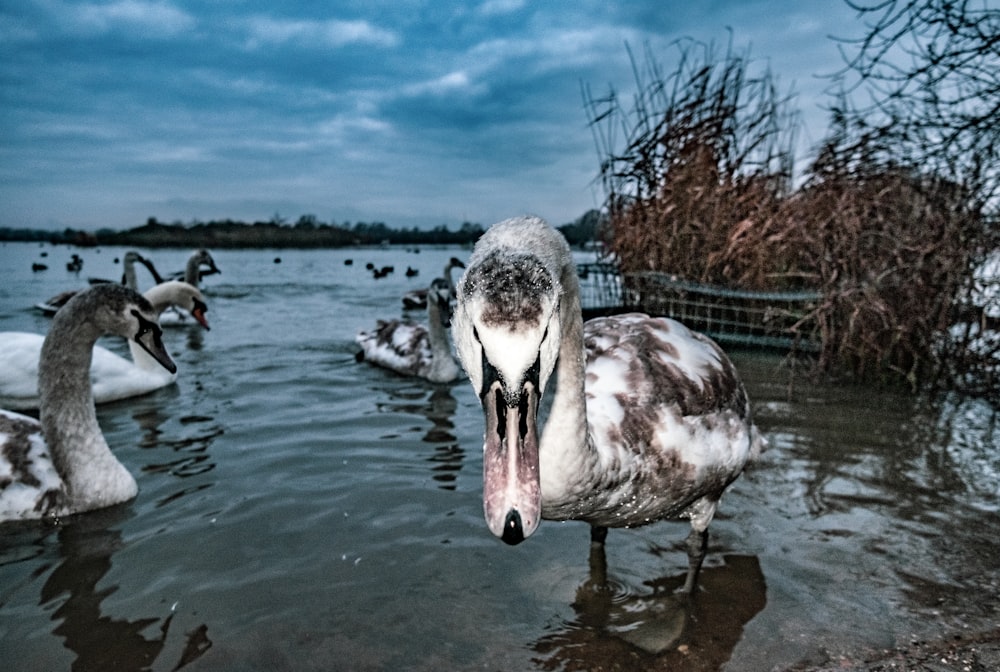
pixel 300 511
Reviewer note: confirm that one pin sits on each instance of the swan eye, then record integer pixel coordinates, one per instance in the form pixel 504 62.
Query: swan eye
pixel 145 326
pixel 143 323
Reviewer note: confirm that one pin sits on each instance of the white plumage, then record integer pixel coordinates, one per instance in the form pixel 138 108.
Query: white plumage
pixel 61 463
pixel 649 421
pixel 192 275
pixel 412 349
pixel 112 376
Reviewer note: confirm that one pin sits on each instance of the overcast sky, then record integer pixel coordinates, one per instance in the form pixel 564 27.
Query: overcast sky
pixel 410 112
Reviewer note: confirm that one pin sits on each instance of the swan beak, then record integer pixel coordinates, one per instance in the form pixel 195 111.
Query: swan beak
pixel 198 313
pixel 149 337
pixel 511 488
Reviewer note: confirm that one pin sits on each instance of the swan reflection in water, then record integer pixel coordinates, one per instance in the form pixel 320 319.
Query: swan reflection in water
pixel 665 629
pixel 101 642
pixel 438 406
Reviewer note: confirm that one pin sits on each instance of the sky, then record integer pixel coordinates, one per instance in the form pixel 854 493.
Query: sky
pixel 409 112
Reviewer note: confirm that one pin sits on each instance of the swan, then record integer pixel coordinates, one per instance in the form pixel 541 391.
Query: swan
pixel 61 464
pixel 412 349
pixel 649 421
pixel 417 299
pixel 112 376
pixel 129 279
pixel 192 275
pixel 128 275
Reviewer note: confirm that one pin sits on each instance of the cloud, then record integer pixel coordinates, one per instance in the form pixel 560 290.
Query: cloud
pixel 150 19
pixel 268 31
pixel 447 84
pixel 500 7
pixel 116 110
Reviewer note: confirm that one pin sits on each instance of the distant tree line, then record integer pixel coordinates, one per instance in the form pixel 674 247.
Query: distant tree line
pixel 306 232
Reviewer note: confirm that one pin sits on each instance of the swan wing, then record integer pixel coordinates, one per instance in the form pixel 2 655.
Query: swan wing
pixel 668 416
pixel 29 483
pixel 401 346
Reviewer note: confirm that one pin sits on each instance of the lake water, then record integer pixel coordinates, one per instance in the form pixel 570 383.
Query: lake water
pixel 300 511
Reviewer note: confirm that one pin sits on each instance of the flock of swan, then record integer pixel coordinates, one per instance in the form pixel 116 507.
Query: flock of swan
pixel 649 421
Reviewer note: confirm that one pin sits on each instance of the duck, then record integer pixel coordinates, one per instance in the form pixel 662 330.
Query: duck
pixel 417 298
pixel 61 464
pixel 112 376
pixel 129 279
pixel 649 420
pixel 411 349
pixel 192 275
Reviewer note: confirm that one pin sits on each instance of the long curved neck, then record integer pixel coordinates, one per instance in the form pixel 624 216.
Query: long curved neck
pixel 436 332
pixel 565 438
pixel 131 281
pixel 69 422
pixel 191 270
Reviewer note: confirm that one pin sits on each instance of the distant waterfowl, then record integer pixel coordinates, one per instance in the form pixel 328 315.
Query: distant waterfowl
pixel 50 306
pixel 62 464
pixel 35 267
pixel 649 421
pixel 412 349
pixel 75 264
pixel 412 272
pixel 417 298
pixel 382 272
pixel 112 376
pixel 193 273
pixel 129 278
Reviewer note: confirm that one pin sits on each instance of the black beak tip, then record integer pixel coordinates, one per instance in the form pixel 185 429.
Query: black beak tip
pixel 513 531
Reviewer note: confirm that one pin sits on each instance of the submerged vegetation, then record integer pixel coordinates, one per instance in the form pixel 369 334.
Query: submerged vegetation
pixel 699 184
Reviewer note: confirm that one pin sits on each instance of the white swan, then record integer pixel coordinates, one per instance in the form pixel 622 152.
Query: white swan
pixel 192 275
pixel 417 298
pixel 412 349
pixel 112 376
pixel 649 421
pixel 62 464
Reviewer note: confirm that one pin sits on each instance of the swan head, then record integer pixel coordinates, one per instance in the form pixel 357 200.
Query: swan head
pixel 507 331
pixel 114 309
pixel 439 294
pixel 203 257
pixel 181 294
